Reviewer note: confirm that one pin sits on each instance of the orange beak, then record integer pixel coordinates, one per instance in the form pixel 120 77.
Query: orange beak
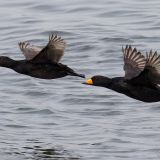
pixel 89 81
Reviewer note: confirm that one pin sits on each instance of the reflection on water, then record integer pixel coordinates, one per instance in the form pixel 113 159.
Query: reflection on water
pixel 37 152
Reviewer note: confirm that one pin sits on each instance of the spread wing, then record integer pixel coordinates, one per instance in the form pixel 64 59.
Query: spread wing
pixel 53 51
pixel 134 62
pixel 153 65
pixel 29 51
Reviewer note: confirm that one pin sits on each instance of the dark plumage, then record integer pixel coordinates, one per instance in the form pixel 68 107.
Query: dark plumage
pixel 141 80
pixel 41 62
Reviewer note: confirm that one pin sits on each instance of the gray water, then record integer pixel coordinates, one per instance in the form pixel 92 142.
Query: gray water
pixel 63 119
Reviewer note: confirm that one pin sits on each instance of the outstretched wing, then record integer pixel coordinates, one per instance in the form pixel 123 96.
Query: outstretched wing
pixel 53 51
pixel 29 51
pixel 153 65
pixel 153 61
pixel 134 62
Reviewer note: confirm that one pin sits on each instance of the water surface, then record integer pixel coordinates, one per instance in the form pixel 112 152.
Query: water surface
pixel 63 119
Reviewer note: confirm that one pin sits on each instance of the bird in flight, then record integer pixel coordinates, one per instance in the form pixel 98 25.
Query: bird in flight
pixel 142 76
pixel 41 62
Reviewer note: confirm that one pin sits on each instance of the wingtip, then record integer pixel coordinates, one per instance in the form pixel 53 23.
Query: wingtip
pixel 23 45
pixel 55 37
pixel 77 74
pixel 122 49
pixel 80 75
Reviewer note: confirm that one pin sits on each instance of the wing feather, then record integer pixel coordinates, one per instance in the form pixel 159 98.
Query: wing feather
pixel 134 62
pixel 53 51
pixel 153 61
pixel 29 51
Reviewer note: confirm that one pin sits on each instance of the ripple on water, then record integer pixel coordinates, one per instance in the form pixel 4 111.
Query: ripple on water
pixel 63 119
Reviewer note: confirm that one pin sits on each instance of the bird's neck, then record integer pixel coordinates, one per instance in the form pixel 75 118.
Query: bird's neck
pixel 7 62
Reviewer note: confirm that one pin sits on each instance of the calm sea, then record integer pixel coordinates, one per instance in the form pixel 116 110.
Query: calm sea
pixel 63 119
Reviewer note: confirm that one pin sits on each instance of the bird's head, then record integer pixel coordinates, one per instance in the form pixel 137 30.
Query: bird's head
pixel 6 62
pixel 99 81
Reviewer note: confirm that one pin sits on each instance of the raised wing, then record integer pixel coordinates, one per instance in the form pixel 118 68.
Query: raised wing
pixel 29 51
pixel 53 51
pixel 153 65
pixel 134 62
pixel 153 61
